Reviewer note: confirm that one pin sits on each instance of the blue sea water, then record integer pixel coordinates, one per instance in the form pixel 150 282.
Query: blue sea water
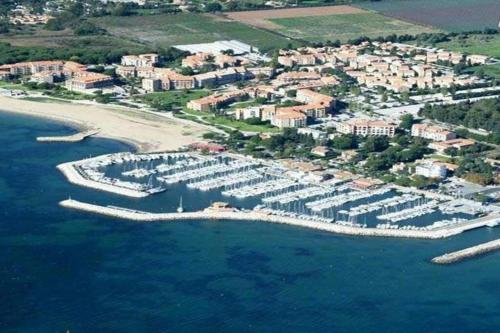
pixel 63 270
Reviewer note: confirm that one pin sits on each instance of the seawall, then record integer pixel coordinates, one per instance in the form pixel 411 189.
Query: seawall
pixel 469 252
pixel 68 138
pixel 74 177
pixel 134 215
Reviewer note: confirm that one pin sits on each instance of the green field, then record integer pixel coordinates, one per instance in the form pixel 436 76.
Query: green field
pixel 345 27
pixel 177 99
pixel 475 44
pixel 169 29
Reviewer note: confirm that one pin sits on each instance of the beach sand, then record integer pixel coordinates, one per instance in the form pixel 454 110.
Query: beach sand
pixel 146 131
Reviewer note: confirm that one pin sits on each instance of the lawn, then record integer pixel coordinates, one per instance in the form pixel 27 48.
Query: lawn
pixel 475 44
pixel 173 29
pixel 225 121
pixel 345 27
pixel 490 70
pixel 239 125
pixel 176 98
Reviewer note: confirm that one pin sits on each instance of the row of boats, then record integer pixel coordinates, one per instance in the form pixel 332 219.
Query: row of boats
pixel 410 213
pixel 344 198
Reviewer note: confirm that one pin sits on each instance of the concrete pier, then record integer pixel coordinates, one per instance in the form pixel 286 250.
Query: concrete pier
pixel 142 216
pixel 68 138
pixel 469 252
pixel 75 177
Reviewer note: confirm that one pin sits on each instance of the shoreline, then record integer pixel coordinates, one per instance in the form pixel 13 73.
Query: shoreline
pixel 144 131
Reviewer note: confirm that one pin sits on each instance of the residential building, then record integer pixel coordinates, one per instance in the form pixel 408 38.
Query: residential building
pixel 212 102
pixel 89 81
pixel 434 133
pixel 431 170
pixel 320 151
pixel 455 143
pixel 364 127
pixel 314 133
pixel 141 60
pixel 151 85
pixel 288 118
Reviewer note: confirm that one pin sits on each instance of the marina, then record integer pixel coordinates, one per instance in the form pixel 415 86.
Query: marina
pixel 267 189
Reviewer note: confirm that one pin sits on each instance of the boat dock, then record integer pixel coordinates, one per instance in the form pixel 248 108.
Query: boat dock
pixel 68 138
pixel 469 252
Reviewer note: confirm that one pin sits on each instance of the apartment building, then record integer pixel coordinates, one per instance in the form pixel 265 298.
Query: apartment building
pixel 434 133
pixel 363 127
pixel 141 60
pixel 441 146
pixel 89 80
pixel 212 102
pixel 286 117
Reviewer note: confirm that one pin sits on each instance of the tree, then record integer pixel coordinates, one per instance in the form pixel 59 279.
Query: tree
pixel 344 142
pixel 407 121
pixel 54 24
pixel 384 97
pixel 4 26
pixel 375 144
pixel 87 28
pixel 121 9
pixel 213 7
pixel 187 71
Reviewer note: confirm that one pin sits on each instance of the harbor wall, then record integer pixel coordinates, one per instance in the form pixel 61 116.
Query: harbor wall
pixel 74 177
pixel 68 138
pixel 470 252
pixel 123 213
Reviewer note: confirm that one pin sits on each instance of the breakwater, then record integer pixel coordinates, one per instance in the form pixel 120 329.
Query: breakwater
pixel 71 173
pixel 68 138
pixel 142 216
pixel 469 252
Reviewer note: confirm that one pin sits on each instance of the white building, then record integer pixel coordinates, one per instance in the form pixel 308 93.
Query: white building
pixel 364 127
pixel 141 60
pixel 431 170
pixel 434 133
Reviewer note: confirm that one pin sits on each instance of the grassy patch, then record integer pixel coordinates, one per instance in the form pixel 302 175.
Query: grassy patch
pixel 173 29
pixel 474 44
pixel 178 98
pixel 345 27
pixel 45 99
pixel 239 125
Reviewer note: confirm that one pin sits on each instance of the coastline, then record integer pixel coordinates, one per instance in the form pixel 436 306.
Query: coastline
pixel 146 132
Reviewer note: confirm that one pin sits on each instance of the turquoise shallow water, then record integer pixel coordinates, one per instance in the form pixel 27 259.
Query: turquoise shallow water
pixel 65 270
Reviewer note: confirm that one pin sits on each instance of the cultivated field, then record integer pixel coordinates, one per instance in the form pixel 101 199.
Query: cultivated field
pixel 326 23
pixel 262 18
pixel 345 27
pixel 452 15
pixel 167 30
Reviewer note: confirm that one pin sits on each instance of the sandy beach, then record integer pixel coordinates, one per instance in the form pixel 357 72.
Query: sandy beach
pixel 144 130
